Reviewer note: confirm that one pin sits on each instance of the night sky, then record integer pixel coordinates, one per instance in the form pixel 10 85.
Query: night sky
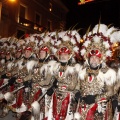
pixel 89 14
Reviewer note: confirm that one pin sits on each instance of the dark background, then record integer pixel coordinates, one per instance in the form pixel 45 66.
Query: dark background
pixel 90 13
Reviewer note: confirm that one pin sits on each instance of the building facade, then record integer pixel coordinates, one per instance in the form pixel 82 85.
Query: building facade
pixel 31 16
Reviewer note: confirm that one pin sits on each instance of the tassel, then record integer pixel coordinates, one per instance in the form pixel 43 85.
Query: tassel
pixel 77 116
pixel 36 110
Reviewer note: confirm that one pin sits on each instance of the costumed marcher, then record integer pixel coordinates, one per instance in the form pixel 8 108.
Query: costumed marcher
pixel 15 64
pixel 7 54
pixel 17 100
pixel 9 63
pixel 42 53
pixel 7 81
pixel 66 45
pixel 37 107
pixel 24 77
pixel 96 78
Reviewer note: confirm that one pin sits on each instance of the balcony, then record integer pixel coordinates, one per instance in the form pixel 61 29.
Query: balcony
pixel 31 25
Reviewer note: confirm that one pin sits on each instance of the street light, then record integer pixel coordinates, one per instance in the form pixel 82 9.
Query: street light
pixel 12 1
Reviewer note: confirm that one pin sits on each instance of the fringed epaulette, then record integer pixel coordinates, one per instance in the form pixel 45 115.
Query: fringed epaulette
pixel 69 70
pixel 53 65
pixel 31 64
pixel 9 66
pixel 110 77
pixel 78 67
pixel 36 109
pixel 82 74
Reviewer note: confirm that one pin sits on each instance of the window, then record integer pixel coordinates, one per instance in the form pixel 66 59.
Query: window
pixel 37 19
pixel 22 11
pixel 22 15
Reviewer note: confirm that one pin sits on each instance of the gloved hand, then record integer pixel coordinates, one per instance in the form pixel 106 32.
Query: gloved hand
pixel 55 84
pixel 89 99
pixel 4 76
pixel 11 81
pixel 27 84
pixel 114 104
pixel 50 91
pixel 78 96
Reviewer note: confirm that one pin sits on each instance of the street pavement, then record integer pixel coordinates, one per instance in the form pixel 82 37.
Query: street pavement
pixel 9 116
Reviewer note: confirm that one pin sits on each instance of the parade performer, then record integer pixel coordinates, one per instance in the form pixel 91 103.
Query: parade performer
pixel 40 74
pixel 22 77
pixel 96 78
pixel 8 66
pixel 42 52
pixel 62 105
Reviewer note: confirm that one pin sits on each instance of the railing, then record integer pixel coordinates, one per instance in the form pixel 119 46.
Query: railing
pixel 31 24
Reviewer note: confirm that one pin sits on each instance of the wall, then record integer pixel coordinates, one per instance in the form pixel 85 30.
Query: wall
pixel 10 15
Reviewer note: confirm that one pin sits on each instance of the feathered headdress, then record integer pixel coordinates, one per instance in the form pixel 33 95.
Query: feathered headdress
pixel 67 42
pixel 99 42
